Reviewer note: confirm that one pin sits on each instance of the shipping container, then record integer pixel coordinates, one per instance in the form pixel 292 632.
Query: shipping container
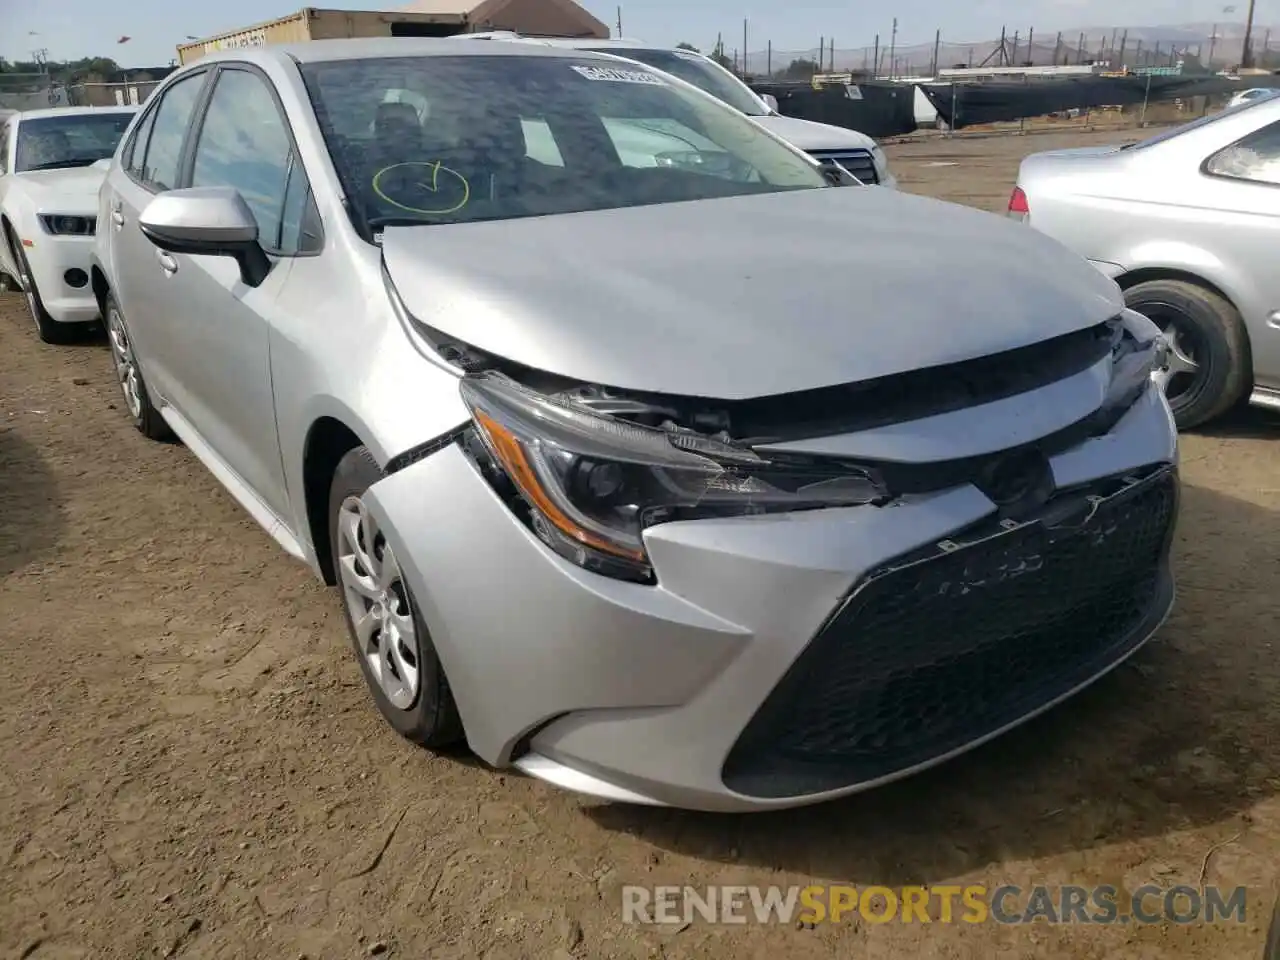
pixel 313 24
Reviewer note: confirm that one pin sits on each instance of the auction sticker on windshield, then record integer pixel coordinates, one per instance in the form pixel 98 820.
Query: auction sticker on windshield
pixel 614 75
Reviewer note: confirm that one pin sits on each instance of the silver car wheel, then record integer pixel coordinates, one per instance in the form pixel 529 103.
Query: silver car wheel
pixel 1181 360
pixel 126 366
pixel 378 604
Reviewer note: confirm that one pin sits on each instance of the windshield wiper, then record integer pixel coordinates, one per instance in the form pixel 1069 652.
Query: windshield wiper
pixel 60 164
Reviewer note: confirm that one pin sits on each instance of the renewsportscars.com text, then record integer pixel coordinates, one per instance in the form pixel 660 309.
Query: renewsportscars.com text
pixel 973 904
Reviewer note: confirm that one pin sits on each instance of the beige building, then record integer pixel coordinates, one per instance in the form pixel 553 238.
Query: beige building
pixel 425 18
pixel 548 18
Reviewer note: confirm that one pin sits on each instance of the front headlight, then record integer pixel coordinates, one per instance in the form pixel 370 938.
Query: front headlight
pixel 881 162
pixel 589 484
pixel 60 225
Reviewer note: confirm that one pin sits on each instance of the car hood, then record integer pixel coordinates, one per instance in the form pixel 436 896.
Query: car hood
pixel 810 135
pixel 72 191
pixel 746 296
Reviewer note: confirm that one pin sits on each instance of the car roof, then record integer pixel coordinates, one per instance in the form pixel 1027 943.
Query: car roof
pixel 368 48
pixel 73 111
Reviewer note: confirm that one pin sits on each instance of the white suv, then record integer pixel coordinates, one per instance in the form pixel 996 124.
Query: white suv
pixel 854 151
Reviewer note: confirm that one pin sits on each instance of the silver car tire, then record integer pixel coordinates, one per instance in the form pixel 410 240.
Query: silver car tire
pixel 1211 364
pixel 389 636
pixel 128 372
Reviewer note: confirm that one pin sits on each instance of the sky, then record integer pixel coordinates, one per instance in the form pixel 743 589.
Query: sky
pixel 70 29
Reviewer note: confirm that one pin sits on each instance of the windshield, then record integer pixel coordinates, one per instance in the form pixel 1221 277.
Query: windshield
pixel 702 73
pixel 74 140
pixel 472 138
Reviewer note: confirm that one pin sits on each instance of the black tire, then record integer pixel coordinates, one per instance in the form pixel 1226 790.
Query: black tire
pixel 1217 336
pixel 49 329
pixel 146 419
pixel 432 719
pixel 1272 949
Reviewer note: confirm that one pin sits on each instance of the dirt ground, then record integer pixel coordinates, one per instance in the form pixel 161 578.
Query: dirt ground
pixel 190 766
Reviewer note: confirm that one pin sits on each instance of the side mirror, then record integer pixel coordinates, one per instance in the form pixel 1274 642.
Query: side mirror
pixel 770 101
pixel 207 221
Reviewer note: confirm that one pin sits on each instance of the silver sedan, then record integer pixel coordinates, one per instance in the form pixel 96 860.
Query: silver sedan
pixel 652 480
pixel 1188 223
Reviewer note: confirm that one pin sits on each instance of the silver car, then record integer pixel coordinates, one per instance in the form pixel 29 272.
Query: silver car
pixel 1187 222
pixel 653 482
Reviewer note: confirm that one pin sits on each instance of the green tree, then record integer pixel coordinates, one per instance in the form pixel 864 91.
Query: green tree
pixel 685 45
pixel 801 68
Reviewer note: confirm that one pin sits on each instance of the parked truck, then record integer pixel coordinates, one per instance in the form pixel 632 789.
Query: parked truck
pixel 311 23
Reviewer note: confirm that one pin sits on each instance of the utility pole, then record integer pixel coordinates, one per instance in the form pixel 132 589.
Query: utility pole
pixel 1057 49
pixel 619 21
pixel 1080 51
pixel 937 42
pixel 1213 42
pixel 1137 55
pixel 1124 42
pixel 893 45
pixel 831 63
pixel 1013 57
pixel 1031 48
pixel 822 52
pixel 768 59
pixel 744 46
pixel 1246 55
pixel 875 59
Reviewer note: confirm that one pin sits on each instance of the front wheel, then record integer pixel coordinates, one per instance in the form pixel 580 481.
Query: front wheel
pixel 1209 362
pixel 390 638
pixel 49 329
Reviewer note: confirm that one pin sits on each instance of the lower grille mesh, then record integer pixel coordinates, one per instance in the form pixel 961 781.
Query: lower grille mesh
pixel 936 651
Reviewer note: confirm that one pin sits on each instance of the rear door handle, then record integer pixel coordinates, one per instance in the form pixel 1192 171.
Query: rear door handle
pixel 167 263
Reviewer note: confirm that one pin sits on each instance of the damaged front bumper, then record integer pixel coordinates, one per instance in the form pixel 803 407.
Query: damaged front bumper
pixel 652 693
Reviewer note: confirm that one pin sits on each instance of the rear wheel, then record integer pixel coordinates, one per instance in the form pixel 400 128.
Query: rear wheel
pixel 1272 949
pixel 49 329
pixel 146 418
pixel 1209 364
pixel 391 641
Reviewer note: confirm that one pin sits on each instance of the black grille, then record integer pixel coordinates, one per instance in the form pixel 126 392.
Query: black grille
pixel 857 162
pixel 946 646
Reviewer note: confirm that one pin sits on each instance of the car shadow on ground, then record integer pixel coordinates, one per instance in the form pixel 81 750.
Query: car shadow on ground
pixel 1244 423
pixel 1181 736
pixel 31 512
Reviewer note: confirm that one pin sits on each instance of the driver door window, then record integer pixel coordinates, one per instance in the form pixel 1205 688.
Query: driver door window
pixel 244 143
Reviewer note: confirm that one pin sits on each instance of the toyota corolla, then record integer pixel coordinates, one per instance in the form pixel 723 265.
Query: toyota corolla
pixel 656 482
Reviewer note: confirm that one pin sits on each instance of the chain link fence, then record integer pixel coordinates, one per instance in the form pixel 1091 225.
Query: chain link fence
pixel 38 91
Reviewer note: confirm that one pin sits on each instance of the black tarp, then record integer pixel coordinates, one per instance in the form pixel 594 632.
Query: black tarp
pixel 876 109
pixel 976 103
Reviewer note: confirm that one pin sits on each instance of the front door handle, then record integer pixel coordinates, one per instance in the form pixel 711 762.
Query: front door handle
pixel 117 218
pixel 167 263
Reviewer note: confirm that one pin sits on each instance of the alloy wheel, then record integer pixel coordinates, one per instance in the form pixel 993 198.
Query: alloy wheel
pixel 378 605
pixel 1183 377
pixel 126 365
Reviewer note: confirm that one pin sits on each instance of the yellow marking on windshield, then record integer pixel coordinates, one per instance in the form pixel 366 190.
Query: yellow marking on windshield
pixel 437 167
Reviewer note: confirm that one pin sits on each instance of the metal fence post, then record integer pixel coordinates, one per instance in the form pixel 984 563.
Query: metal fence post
pixel 951 127
pixel 1142 120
